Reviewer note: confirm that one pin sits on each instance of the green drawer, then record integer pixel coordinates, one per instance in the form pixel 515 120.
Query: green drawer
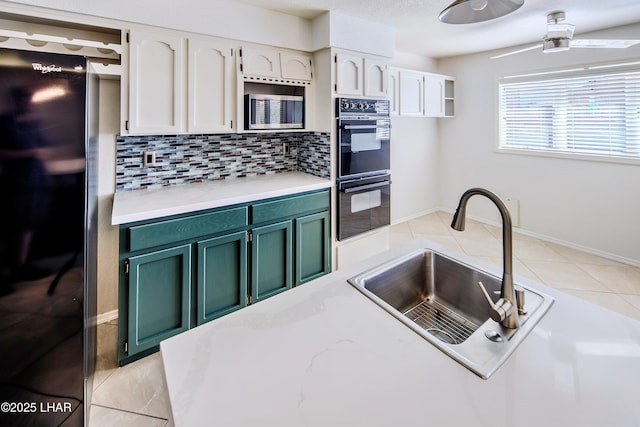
pixel 179 229
pixel 289 207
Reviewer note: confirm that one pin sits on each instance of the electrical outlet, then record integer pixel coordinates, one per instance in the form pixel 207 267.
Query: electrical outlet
pixel 149 158
pixel 285 148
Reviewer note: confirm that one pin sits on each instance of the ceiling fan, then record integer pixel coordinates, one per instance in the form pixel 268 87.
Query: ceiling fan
pixel 559 38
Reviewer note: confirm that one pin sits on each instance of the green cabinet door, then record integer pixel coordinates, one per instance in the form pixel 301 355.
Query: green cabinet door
pixel 313 247
pixel 159 296
pixel 222 276
pixel 271 260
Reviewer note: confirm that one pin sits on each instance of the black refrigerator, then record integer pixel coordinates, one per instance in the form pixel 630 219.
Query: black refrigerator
pixel 47 338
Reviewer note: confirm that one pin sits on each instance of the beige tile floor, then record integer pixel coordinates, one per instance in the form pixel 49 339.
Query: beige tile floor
pixel 135 396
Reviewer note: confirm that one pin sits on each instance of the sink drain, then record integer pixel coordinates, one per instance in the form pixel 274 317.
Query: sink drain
pixel 441 335
pixel 441 322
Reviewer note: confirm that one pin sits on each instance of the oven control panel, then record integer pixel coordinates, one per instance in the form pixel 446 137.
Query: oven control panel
pixel 356 106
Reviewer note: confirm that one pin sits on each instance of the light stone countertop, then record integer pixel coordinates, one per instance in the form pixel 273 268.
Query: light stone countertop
pixel 131 206
pixel 322 354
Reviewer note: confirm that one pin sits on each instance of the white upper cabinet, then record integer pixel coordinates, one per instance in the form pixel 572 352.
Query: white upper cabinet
pixel 275 65
pixel 156 79
pixel 411 93
pixel 295 66
pixel 260 62
pixel 349 74
pixel 210 86
pixel 418 94
pixel 360 76
pixel 375 78
pixel 178 85
pixel 393 88
pixel 434 95
pixel 449 97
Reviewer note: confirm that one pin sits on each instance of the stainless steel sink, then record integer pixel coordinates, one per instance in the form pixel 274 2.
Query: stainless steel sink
pixel 439 298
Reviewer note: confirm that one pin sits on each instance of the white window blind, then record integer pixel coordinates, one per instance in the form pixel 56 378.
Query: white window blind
pixel 591 113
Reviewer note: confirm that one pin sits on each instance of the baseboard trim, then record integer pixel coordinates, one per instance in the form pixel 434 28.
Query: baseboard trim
pixel 544 237
pixel 413 216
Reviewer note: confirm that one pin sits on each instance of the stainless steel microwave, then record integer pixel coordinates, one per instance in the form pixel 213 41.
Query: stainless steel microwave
pixel 273 111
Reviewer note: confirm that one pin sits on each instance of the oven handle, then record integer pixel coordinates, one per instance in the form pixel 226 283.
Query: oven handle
pixel 350 127
pixel 365 187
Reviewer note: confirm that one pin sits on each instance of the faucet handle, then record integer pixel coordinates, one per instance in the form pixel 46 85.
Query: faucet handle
pixel 520 300
pixel 499 310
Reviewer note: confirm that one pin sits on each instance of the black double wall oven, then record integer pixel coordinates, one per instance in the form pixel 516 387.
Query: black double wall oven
pixel 363 176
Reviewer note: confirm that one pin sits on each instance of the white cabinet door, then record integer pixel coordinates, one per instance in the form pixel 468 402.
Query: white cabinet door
pixel 393 89
pixel 210 92
pixel 260 62
pixel 349 74
pixel 375 78
pixel 295 66
pixel 411 93
pixel 358 75
pixel 156 93
pixel 433 95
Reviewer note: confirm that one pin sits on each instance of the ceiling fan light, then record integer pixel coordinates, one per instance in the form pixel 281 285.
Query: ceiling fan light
pixel 560 31
pixel 550 45
pixel 472 11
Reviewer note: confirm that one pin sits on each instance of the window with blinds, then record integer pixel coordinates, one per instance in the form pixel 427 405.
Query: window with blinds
pixel 596 113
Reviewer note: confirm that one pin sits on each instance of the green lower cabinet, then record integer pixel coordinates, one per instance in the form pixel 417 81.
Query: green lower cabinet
pixel 222 276
pixel 183 271
pixel 159 296
pixel 271 260
pixel 313 247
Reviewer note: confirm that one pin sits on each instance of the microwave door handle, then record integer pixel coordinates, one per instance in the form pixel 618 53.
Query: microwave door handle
pixel 365 187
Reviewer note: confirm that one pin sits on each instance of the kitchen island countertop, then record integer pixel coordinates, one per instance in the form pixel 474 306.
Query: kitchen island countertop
pixel 131 206
pixel 322 354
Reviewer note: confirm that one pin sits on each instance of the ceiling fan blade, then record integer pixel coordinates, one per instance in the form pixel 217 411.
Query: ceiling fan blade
pixel 537 46
pixel 603 43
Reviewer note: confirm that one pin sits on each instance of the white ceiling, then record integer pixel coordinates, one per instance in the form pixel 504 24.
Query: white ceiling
pixel 419 31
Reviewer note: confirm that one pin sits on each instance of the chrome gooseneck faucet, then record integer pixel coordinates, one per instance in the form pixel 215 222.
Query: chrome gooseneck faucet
pixel 504 310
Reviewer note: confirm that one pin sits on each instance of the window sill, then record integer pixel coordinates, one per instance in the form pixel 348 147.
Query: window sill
pixel 570 156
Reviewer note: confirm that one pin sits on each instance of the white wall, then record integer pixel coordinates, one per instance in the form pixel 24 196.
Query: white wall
pixel 414 155
pixel 333 29
pixel 594 205
pixel 414 167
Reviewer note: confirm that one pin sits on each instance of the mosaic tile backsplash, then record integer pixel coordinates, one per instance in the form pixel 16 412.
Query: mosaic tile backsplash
pixel 182 159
